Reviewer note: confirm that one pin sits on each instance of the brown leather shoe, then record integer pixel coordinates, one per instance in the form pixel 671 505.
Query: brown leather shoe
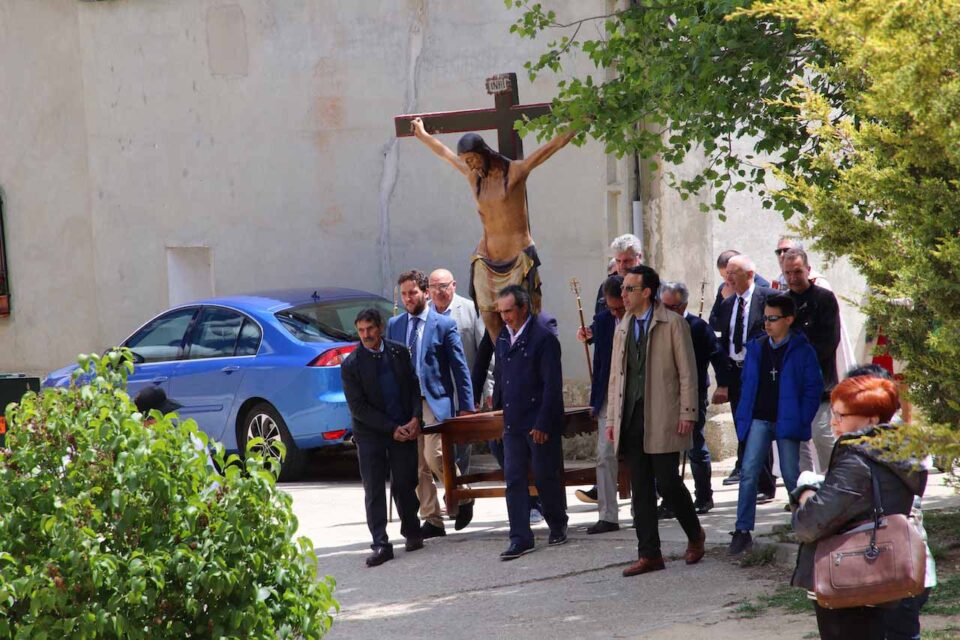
pixel 695 550
pixel 644 565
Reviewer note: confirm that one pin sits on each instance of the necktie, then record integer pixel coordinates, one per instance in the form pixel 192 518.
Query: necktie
pixel 412 340
pixel 641 337
pixel 738 326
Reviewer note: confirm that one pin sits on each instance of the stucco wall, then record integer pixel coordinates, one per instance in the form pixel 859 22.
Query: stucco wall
pixel 262 129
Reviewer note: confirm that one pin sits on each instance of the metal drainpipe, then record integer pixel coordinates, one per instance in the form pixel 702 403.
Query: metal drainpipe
pixel 637 208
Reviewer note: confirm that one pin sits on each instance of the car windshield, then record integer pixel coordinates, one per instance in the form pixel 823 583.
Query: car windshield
pixel 329 321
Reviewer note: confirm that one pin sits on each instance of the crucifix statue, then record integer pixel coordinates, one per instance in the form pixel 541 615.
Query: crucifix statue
pixel 506 253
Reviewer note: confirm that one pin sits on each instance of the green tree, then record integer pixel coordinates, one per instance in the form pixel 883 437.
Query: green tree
pixel 116 527
pixel 854 106
pixel 686 76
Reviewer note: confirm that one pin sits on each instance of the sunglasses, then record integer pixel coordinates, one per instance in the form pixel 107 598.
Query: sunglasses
pixel 773 318
pixel 780 252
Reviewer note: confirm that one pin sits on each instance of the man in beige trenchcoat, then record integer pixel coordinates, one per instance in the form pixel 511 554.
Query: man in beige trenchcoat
pixel 651 411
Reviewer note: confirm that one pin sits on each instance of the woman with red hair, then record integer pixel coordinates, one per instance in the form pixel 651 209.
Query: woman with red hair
pixel 862 408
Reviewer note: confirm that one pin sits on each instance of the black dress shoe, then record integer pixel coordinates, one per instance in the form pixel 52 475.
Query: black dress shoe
pixel 464 516
pixel 514 551
pixel 413 544
pixel 429 530
pixel 603 526
pixel 763 497
pixel 742 541
pixel 589 496
pixel 379 556
pixel 665 513
pixel 733 478
pixel 557 539
pixel 704 507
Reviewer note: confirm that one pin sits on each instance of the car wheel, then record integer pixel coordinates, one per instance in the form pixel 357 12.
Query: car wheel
pixel 263 421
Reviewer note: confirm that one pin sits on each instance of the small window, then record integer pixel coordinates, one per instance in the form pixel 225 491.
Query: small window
pixel 216 334
pixel 160 340
pixel 249 342
pixel 329 321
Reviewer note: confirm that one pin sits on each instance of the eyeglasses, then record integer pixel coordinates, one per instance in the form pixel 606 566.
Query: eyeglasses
pixel 773 318
pixel 673 307
pixel 631 288
pixel 840 416
pixel 440 286
pixel 781 251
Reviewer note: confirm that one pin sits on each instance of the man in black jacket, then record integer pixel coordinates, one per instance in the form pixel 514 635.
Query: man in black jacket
pixel 383 394
pixel 675 296
pixel 818 318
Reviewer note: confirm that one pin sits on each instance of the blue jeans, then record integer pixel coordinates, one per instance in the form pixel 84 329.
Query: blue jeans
pixel 762 434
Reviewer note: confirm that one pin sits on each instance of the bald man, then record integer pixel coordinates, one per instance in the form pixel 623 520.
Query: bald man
pixel 740 320
pixel 442 288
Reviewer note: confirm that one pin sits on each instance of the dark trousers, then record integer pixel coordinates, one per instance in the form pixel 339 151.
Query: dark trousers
pixel 903 621
pixel 379 455
pixel 650 472
pixel 519 452
pixel 496 448
pixel 766 483
pixel 699 456
pixel 855 623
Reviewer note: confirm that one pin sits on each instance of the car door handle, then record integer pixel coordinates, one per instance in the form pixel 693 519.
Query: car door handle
pixel 230 369
pixel 159 379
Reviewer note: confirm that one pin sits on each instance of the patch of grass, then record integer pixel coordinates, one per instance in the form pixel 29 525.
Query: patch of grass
pixel 813 635
pixel 945 597
pixel 789 599
pixel 943 528
pixel 749 610
pixel 759 556
pixel 950 633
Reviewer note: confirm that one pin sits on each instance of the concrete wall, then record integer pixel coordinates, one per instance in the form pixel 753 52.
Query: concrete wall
pixel 262 131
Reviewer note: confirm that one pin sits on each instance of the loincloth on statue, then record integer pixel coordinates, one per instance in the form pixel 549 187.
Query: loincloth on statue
pixel 488 277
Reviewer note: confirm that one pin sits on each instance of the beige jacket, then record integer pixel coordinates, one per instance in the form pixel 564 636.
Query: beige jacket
pixel 670 390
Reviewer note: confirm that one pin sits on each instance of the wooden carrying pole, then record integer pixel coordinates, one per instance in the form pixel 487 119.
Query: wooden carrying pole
pixel 575 287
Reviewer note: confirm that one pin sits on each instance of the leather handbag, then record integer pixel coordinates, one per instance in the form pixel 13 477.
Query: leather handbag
pixel 878 561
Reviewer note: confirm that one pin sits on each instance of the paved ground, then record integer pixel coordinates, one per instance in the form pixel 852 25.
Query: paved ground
pixel 456 587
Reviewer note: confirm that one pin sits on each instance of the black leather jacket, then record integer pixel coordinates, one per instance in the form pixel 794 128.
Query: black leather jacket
pixel 846 496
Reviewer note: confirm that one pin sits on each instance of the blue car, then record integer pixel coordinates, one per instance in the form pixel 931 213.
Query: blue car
pixel 260 365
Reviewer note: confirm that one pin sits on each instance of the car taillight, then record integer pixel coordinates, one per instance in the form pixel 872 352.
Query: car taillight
pixel 334 435
pixel 3 425
pixel 333 357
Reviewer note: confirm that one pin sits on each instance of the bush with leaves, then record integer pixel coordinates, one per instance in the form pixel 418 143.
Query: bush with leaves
pixel 113 529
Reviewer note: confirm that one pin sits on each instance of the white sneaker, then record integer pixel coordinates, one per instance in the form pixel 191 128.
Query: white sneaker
pixel 535 516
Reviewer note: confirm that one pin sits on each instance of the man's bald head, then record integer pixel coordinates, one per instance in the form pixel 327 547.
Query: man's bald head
pixel 442 288
pixel 740 270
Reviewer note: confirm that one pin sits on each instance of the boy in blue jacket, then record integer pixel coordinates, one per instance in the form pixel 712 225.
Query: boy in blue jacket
pixel 782 385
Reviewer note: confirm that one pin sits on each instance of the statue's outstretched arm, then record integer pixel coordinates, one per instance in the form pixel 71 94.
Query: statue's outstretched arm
pixel 544 151
pixel 438 147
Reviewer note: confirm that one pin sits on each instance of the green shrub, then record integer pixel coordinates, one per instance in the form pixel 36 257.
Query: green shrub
pixel 110 529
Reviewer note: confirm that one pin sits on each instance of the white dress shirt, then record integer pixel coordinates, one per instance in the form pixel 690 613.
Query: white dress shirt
pixel 747 299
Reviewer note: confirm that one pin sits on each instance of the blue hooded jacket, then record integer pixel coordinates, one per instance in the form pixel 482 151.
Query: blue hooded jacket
pixel 801 387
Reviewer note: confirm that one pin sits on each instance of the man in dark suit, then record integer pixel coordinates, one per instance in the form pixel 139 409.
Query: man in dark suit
pixel 604 493
pixel 383 394
pixel 528 386
pixel 441 366
pixel 725 290
pixel 740 320
pixel 675 296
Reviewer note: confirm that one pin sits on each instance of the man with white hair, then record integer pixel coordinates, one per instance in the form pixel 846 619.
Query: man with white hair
pixel 627 253
pixel 739 320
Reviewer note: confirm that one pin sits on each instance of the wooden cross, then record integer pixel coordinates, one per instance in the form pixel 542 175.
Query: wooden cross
pixel 506 111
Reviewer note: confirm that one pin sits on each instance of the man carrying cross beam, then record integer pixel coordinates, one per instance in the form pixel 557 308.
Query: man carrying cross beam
pixel 506 254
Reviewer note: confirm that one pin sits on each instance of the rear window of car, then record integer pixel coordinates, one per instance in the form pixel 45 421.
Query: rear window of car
pixel 329 321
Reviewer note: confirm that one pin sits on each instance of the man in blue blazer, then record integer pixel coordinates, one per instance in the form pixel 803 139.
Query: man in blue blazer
pixel 528 386
pixel 438 358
